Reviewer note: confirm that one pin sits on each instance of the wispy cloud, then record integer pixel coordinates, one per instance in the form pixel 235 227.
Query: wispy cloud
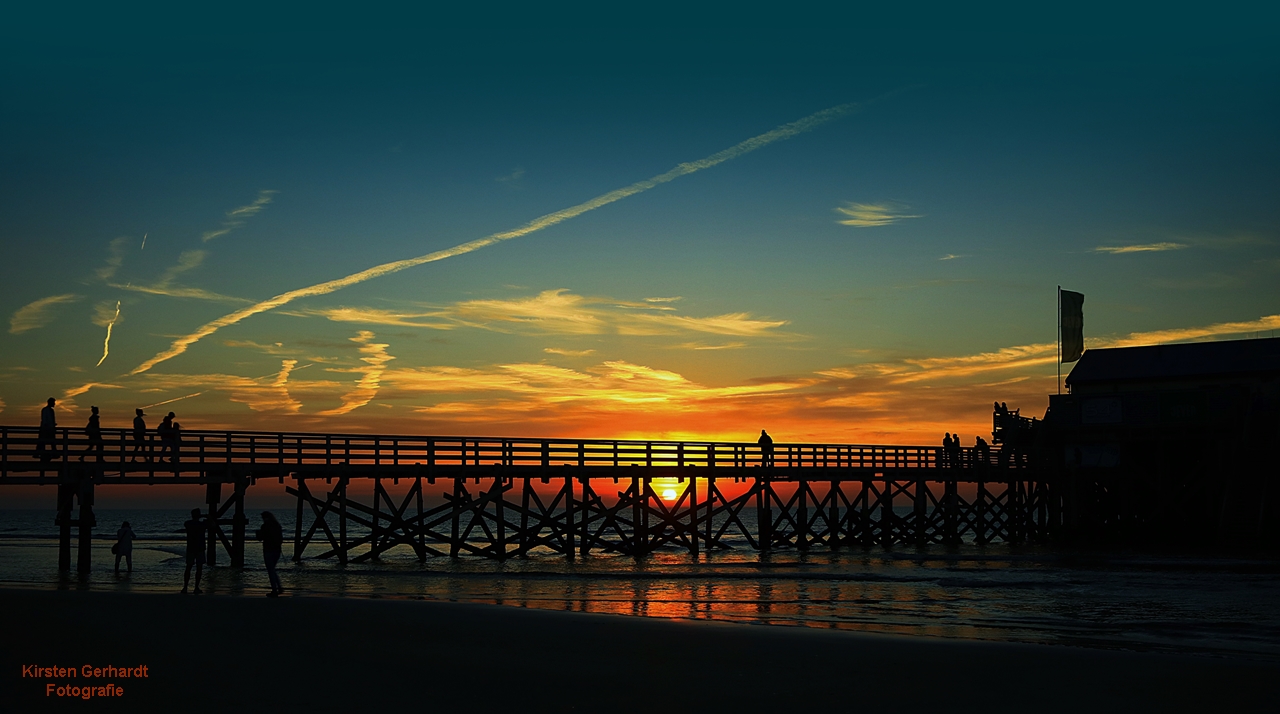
pixel 785 131
pixel 237 216
pixel 514 177
pixel 868 215
pixel 188 260
pixel 560 312
pixel 375 359
pixel 377 316
pixel 1141 248
pixel 567 353
pixel 37 314
pixel 106 317
pixel 952 256
pixel 269 393
pixel 702 346
pixel 115 257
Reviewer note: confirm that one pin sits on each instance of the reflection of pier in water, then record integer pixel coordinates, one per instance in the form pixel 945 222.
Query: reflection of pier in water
pixel 502 498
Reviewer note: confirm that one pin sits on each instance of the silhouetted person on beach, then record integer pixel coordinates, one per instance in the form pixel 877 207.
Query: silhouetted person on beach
pixel 272 537
pixel 139 437
pixel 766 448
pixel 48 435
pixel 124 547
pixel 93 430
pixel 195 549
pixel 165 430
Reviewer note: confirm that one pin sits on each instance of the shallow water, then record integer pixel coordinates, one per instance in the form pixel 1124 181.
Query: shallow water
pixel 1209 604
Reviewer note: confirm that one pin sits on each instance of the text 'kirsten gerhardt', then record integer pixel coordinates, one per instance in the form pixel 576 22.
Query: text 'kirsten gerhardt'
pixel 88 671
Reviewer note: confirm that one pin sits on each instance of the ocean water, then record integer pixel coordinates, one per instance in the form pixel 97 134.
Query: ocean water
pixel 1214 604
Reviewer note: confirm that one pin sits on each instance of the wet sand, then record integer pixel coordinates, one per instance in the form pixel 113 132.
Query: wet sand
pixel 223 654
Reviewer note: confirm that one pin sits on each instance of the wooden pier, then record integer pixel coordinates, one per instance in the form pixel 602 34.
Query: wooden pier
pixel 502 497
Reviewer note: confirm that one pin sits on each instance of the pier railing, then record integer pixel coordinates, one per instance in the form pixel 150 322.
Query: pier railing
pixel 21 449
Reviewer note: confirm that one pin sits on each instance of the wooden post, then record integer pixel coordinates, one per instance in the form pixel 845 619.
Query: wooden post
pixel 297 523
pixel 693 511
pixel 637 530
pixel 66 499
pixel 212 497
pixel 237 527
pixel 84 549
pixel 802 513
pixel 455 516
pixel 377 507
pixel 764 511
pixel 886 514
pixel 951 507
pixel 422 532
pixel 568 516
pixel 833 512
pixel 524 546
pixel 501 545
pixel 921 509
pixel 342 520
pixel 980 509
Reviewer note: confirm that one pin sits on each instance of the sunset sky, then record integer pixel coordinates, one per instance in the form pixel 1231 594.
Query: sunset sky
pixel 860 241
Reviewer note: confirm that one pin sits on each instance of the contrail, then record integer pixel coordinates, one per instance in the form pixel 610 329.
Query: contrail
pixel 170 401
pixel 785 131
pixel 106 344
pixel 144 242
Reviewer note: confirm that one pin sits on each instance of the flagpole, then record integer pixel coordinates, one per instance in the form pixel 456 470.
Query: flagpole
pixel 1059 339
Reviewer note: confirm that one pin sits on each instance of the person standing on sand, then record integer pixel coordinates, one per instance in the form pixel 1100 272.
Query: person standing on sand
pixel 139 437
pixel 48 435
pixel 272 537
pixel 93 430
pixel 195 549
pixel 124 546
pixel 766 448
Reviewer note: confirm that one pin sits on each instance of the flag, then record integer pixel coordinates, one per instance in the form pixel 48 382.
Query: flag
pixel 1071 317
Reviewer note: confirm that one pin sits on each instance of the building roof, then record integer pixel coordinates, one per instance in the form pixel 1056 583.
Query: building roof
pixel 1182 361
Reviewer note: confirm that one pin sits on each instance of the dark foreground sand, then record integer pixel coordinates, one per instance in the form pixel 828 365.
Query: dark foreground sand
pixel 233 654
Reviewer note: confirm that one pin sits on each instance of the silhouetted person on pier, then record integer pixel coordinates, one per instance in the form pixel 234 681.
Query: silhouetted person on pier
pixel 175 438
pixel 766 448
pixel 272 537
pixel 195 549
pixel 46 440
pixel 93 430
pixel 124 546
pixel 981 452
pixel 956 460
pixel 165 431
pixel 139 437
pixel 944 457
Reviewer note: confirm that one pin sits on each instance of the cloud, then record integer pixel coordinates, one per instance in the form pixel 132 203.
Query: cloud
pixel 37 314
pixel 181 292
pixel 663 299
pixel 701 346
pixel 1143 248
pixel 785 131
pixel 236 217
pixel 952 256
pixel 567 353
pixel 514 177
pixel 269 393
pixel 375 359
pixel 115 258
pixel 560 312
pixel 867 215
pixel 375 316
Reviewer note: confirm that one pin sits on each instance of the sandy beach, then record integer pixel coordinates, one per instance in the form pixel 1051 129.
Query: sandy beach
pixel 220 653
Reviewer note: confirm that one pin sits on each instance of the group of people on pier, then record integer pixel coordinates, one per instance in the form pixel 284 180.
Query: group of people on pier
pixel 169 431
pixel 951 455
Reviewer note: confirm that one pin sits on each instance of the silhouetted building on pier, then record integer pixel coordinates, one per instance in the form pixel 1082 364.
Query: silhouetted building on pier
pixel 1171 441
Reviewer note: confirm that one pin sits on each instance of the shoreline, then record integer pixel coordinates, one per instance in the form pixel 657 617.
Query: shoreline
pixel 345 653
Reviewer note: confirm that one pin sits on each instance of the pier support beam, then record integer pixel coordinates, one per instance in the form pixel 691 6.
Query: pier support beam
pixel 84 549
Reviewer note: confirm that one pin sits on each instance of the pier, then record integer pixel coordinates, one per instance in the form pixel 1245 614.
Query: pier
pixel 507 497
